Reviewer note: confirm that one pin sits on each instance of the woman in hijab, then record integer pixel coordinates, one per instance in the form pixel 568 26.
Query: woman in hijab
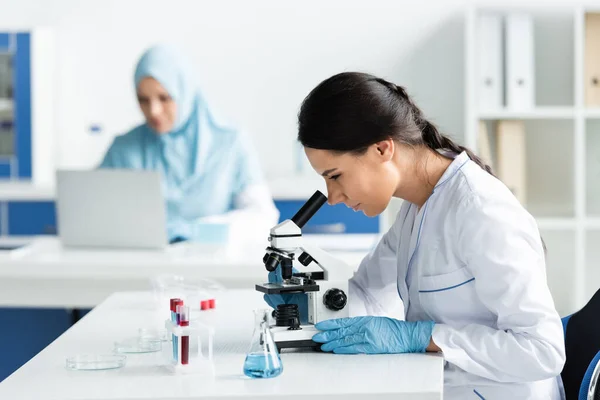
pixel 210 172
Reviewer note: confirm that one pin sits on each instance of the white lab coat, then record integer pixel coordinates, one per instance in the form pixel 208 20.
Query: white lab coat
pixel 471 259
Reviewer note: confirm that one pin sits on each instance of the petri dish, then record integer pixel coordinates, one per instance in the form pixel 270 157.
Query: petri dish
pixel 157 335
pixel 94 362
pixel 138 345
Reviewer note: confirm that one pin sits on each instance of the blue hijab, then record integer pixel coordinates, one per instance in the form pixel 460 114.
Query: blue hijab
pixel 185 148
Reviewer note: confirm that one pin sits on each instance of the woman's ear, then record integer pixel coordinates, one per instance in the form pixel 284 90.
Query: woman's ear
pixel 385 149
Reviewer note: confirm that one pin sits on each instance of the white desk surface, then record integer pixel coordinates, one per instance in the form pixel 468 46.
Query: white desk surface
pixel 44 274
pixel 307 375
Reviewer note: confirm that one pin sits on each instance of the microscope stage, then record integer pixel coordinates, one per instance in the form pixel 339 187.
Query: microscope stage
pixel 277 288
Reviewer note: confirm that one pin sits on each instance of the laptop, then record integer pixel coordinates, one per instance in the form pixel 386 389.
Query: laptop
pixel 111 208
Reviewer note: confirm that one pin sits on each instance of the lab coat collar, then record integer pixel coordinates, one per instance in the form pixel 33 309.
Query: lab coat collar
pixel 453 168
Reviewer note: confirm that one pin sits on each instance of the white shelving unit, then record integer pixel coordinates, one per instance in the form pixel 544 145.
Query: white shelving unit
pixel 537 113
pixel 562 146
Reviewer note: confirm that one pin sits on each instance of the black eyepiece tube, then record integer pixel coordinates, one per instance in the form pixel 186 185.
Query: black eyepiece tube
pixel 309 209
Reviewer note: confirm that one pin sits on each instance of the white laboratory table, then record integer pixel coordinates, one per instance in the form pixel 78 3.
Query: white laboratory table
pixel 45 274
pixel 306 375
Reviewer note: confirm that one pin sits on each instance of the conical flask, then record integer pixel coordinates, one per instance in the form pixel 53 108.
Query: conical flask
pixel 262 360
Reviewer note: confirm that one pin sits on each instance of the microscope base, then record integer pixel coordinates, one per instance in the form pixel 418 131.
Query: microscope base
pixel 295 339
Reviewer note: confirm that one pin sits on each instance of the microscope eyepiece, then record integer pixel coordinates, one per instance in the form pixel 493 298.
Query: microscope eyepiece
pixel 309 209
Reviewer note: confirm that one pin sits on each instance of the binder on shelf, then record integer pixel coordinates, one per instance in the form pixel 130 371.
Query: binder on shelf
pixel 592 60
pixel 519 49
pixel 490 74
pixel 511 165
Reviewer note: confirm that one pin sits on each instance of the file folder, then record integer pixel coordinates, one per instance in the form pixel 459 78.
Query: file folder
pixel 511 165
pixel 519 47
pixel 592 60
pixel 490 83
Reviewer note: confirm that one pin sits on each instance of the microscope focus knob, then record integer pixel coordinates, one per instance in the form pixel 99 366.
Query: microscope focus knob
pixel 305 259
pixel 335 299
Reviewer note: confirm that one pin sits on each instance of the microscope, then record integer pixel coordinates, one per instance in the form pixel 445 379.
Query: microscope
pixel 326 289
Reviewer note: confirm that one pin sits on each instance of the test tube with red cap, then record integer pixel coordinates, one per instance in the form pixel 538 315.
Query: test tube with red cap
pixel 207 304
pixel 184 320
pixel 172 307
pixel 178 302
pixel 174 302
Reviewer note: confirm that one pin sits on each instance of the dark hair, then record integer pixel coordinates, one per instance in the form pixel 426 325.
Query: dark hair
pixel 351 111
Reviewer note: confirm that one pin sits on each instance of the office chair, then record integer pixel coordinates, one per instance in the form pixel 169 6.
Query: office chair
pixel 590 380
pixel 582 343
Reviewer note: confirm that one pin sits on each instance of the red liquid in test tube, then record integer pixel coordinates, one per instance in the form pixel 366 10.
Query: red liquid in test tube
pixel 184 320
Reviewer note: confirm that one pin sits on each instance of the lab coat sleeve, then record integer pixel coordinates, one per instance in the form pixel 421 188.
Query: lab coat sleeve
pixel 501 246
pixel 253 211
pixel 373 288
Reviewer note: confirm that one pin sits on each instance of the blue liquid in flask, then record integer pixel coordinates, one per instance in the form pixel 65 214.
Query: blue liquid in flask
pixel 261 365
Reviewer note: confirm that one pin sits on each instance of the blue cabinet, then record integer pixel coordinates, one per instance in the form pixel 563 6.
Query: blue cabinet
pixel 4 42
pixel 5 168
pixel 330 219
pixel 26 332
pixel 31 218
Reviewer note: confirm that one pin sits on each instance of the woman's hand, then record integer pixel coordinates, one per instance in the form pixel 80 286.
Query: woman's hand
pixel 374 335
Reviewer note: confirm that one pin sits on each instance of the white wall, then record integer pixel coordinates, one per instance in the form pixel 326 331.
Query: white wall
pixel 256 60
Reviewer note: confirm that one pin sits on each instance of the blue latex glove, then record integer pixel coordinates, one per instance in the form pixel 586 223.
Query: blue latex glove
pixel 294 298
pixel 373 335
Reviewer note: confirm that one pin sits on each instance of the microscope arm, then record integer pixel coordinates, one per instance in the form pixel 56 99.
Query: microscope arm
pixel 333 268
